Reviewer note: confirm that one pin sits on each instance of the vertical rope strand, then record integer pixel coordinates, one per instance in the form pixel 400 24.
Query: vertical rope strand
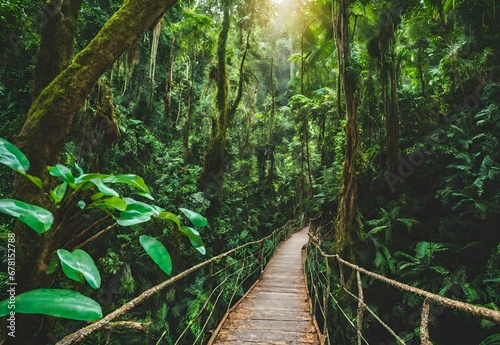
pixel 424 323
pixel 360 308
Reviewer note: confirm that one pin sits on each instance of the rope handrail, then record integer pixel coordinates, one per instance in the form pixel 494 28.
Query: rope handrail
pixel 319 279
pixel 490 314
pixel 260 258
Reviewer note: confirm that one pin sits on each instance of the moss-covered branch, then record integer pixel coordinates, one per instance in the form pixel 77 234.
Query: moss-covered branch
pixel 49 121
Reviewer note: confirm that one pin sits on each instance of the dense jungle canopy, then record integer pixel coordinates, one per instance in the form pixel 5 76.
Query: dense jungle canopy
pixel 382 118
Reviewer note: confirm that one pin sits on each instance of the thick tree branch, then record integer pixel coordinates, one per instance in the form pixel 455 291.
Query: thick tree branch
pixel 47 126
pixel 139 326
pixel 52 113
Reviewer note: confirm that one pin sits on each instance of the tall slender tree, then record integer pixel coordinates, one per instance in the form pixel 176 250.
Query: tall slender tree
pixel 347 217
pixel 212 174
pixel 59 27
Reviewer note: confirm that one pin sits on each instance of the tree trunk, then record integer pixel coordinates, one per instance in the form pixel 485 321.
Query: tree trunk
pixel 392 116
pixel 421 70
pixel 304 117
pixel 388 80
pixel 308 156
pixel 47 126
pixel 191 101
pixel 273 103
pixel 168 96
pixel 212 175
pixel 347 218
pixel 59 28
pixel 270 173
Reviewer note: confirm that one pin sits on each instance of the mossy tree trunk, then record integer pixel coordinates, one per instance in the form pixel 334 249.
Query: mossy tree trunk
pixel 168 96
pixel 211 177
pixel 305 122
pixel 59 28
pixel 347 218
pixel 388 77
pixel 191 79
pixel 47 126
pixel 212 174
pixel 271 143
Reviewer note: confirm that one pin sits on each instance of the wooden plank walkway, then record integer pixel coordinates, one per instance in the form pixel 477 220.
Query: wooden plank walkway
pixel 276 311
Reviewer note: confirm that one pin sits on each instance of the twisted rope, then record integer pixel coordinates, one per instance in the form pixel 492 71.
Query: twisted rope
pixel 429 298
pixel 492 315
pixel 85 332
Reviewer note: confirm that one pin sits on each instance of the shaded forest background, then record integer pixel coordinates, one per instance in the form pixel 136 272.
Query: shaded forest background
pixel 249 129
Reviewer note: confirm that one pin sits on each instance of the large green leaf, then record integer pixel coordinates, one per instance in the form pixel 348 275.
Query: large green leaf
pixel 157 251
pixel 55 302
pixel 71 273
pixel 57 194
pixel 97 196
pixel 136 212
pixel 194 238
pixel 114 202
pixel 63 172
pixel 82 263
pixel 170 216
pixel 87 177
pixel 145 195
pixel 132 218
pixel 37 218
pixel 99 183
pixel 131 180
pixel 111 203
pixel 12 157
pixel 195 218
pixel 35 180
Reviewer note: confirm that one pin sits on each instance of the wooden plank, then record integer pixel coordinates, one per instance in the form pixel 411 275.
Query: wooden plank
pixel 276 311
pixel 265 314
pixel 266 324
pixel 271 336
pixel 251 342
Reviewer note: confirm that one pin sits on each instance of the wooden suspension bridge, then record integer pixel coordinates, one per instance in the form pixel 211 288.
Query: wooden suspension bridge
pixel 276 310
pixel 293 286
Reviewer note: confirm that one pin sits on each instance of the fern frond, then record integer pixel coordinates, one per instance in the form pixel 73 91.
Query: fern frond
pixel 409 222
pixel 422 249
pixel 378 229
pixel 440 270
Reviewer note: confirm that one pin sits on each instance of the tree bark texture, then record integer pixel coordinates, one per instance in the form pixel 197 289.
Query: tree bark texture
pixel 59 28
pixel 347 219
pixel 212 175
pixel 168 96
pixel 389 86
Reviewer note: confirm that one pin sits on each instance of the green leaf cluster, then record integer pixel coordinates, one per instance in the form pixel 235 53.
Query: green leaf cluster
pixel 79 265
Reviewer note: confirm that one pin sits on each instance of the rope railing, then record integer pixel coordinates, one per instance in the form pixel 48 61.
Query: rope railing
pixel 314 223
pixel 318 268
pixel 228 274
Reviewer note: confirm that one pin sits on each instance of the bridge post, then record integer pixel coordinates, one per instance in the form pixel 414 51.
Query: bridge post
pixel 341 272
pixel 424 322
pixel 361 307
pixel 211 273
pixel 261 259
pixel 326 299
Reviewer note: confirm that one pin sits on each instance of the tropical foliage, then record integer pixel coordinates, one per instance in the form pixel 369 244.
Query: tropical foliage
pixel 129 120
